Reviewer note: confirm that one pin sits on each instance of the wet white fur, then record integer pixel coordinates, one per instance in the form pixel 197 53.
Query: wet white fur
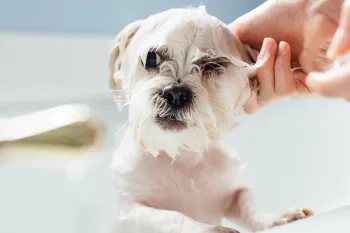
pixel 180 181
pixel 188 35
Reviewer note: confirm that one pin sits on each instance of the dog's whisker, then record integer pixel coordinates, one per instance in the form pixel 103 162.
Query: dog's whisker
pixel 124 105
pixel 121 127
pixel 121 98
pixel 122 95
pixel 197 142
pixel 121 101
pixel 218 108
pixel 119 90
pixel 142 126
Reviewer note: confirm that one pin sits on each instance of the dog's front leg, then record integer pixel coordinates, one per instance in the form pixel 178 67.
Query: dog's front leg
pixel 143 219
pixel 244 208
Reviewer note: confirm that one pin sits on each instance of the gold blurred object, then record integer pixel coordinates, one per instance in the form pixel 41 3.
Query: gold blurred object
pixel 71 126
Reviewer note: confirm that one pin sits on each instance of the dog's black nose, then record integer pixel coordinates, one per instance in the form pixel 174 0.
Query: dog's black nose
pixel 177 95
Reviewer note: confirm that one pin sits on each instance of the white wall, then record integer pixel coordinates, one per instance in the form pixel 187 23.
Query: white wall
pixel 35 67
pixel 102 16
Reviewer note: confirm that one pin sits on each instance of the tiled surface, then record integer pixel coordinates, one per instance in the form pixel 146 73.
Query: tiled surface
pixel 297 153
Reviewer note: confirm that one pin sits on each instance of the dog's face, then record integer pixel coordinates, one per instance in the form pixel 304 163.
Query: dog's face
pixel 186 76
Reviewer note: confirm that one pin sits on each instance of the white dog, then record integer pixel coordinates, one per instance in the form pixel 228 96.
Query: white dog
pixel 186 77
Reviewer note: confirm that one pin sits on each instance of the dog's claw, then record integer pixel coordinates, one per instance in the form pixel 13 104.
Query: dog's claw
pixel 308 212
pixel 293 215
pixel 296 214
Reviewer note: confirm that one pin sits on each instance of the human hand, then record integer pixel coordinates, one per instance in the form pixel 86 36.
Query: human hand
pixel 275 76
pixel 306 25
pixel 336 82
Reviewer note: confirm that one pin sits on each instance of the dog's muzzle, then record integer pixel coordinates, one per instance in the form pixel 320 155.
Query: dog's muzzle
pixel 177 100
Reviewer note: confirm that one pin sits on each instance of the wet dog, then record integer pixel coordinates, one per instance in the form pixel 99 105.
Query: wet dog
pixel 186 77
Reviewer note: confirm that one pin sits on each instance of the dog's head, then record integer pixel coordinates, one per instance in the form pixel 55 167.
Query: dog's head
pixel 186 78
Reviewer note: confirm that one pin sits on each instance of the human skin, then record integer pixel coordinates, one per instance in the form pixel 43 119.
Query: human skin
pixel 302 31
pixel 336 83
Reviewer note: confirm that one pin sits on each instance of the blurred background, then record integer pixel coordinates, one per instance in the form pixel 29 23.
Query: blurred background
pixel 56 52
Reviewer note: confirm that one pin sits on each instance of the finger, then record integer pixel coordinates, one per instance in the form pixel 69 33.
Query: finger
pixel 284 78
pixel 252 105
pixel 265 77
pixel 265 71
pixel 334 83
pixel 301 89
pixel 341 40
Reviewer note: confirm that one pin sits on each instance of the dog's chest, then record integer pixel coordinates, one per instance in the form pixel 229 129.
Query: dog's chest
pixel 201 190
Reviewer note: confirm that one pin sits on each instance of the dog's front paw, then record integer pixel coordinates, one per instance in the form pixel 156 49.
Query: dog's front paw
pixel 221 229
pixel 293 215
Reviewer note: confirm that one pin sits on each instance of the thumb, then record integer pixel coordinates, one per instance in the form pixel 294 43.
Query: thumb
pixel 334 83
pixel 341 40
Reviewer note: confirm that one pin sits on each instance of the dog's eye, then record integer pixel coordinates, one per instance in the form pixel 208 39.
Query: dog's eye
pixel 213 68
pixel 152 60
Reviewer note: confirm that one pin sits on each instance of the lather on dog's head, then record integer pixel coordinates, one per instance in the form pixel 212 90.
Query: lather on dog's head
pixel 187 77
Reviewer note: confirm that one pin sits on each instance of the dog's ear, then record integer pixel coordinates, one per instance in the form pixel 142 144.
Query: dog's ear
pixel 252 54
pixel 119 47
pixel 249 55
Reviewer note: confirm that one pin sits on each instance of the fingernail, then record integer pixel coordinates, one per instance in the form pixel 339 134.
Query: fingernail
pixel 332 52
pixel 282 47
pixel 266 49
pixel 268 43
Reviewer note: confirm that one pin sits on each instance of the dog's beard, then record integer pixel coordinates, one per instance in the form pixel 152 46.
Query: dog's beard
pixel 158 127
